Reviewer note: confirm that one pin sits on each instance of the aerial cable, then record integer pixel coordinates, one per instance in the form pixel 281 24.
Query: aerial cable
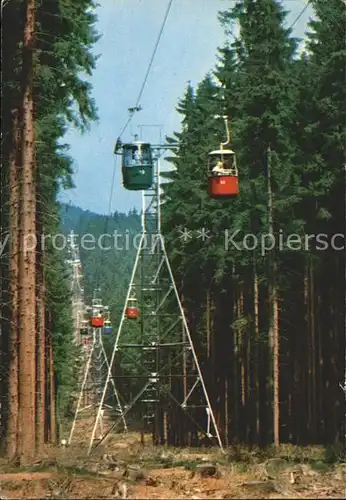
pixel 111 196
pixel 107 221
pixel 154 53
pixel 300 14
pixel 137 107
pixel 132 111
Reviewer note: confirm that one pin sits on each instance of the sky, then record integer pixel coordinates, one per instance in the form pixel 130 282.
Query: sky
pixel 187 52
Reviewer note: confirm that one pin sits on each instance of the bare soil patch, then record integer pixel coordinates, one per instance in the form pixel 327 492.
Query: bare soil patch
pixel 123 468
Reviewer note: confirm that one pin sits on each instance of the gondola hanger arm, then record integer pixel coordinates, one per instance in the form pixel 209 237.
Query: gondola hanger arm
pixel 228 132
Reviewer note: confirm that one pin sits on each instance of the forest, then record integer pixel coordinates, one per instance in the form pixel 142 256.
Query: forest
pixel 269 319
pixel 46 56
pixel 274 321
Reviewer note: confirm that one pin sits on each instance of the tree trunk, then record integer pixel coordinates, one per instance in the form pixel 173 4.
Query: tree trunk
pixel 226 411
pixel 40 359
pixel 257 348
pixel 40 324
pixel 52 431
pixel 273 312
pixel 242 343
pixel 207 306
pixel 313 350
pixel 27 268
pixel 13 408
pixel 303 377
pixel 276 359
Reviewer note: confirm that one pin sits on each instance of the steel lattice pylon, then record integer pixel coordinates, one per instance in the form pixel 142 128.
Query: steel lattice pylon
pixel 77 292
pixel 154 362
pixel 89 400
pixel 94 363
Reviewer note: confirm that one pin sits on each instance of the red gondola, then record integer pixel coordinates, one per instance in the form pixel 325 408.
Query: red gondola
pixel 223 174
pixel 132 311
pixel 222 170
pixel 97 321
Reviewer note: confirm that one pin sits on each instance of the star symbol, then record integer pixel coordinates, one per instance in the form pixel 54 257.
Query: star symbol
pixel 203 234
pixel 185 235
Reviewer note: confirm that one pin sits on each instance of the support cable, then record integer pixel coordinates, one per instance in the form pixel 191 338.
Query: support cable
pixel 132 111
pixel 137 107
pixel 300 14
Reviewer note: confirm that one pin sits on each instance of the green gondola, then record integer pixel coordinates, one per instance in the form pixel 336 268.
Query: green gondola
pixel 84 328
pixel 137 166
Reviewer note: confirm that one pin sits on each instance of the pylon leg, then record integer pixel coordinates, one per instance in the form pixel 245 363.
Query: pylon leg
pixel 81 393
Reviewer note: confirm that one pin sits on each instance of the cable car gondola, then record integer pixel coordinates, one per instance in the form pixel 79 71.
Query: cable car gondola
pixel 97 319
pixel 84 327
pixel 223 171
pixel 223 174
pixel 136 166
pixel 107 327
pixel 132 311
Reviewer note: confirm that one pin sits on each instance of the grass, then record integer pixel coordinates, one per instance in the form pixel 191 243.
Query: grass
pixel 312 455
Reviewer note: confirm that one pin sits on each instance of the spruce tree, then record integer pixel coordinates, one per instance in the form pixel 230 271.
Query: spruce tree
pixel 52 69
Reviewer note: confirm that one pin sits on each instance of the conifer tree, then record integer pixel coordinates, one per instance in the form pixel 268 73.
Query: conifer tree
pixel 264 53
pixel 51 70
